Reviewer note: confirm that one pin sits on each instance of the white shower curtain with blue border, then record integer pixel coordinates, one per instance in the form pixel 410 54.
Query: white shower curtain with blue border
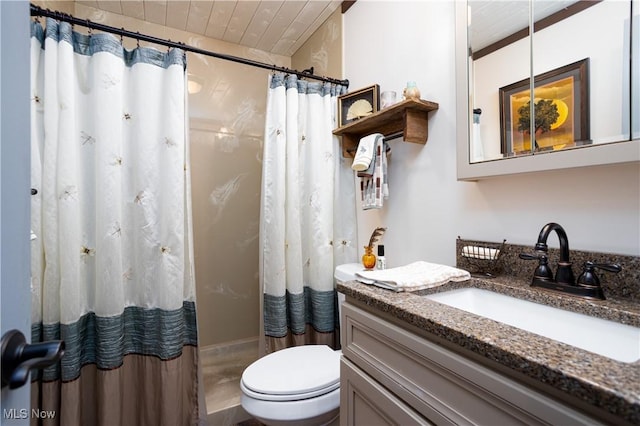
pixel 112 271
pixel 307 217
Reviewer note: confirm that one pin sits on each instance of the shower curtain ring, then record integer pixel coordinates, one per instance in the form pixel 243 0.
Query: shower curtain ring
pixel 138 39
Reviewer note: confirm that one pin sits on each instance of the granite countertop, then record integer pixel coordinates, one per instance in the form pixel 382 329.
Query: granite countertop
pixel 611 385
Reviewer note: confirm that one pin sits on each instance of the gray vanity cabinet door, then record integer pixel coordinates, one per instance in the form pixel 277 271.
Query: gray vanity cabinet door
pixel 365 402
pixel 389 372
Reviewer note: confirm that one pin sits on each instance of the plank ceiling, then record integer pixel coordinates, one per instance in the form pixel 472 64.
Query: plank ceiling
pixel 282 26
pixel 493 20
pixel 276 26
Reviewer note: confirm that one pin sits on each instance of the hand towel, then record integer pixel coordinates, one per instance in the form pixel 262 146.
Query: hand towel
pixel 477 252
pixel 385 150
pixel 365 152
pixel 369 171
pixel 374 189
pixel 414 276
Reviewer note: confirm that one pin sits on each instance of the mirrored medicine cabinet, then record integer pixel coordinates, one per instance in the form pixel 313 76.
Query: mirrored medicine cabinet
pixel 585 59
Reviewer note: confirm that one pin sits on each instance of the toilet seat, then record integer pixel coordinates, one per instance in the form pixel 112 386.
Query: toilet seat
pixel 292 374
pixel 287 397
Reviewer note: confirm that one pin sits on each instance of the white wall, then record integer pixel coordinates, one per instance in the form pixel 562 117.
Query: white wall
pixel 390 43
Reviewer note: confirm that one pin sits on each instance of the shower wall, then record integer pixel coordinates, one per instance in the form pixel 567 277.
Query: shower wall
pixel 66 6
pixel 323 50
pixel 226 110
pixel 227 104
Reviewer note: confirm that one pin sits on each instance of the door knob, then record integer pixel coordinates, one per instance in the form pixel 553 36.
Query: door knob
pixel 19 357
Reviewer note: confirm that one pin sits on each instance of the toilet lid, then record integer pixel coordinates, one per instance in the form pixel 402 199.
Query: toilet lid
pixel 293 373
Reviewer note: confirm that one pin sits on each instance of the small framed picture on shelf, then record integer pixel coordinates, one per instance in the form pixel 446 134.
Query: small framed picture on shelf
pixel 358 104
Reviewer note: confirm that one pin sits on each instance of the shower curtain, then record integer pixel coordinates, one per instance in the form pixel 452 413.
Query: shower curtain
pixel 112 271
pixel 307 214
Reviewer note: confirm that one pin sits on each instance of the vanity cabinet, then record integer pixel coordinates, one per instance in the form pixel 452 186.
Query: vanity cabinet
pixel 390 375
pixel 408 118
pixel 371 403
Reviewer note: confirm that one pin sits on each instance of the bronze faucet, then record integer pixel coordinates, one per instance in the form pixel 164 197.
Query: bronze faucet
pixel 588 284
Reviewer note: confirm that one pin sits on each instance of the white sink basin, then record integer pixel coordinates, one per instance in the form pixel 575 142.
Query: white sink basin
pixel 610 339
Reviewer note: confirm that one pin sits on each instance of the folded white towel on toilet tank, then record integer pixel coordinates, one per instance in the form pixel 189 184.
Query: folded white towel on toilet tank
pixel 414 276
pixel 365 152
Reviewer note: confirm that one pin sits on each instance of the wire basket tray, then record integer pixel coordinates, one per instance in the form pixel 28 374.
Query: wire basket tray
pixel 483 260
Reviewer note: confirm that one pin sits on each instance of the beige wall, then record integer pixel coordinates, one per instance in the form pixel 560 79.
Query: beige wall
pixel 226 129
pixel 323 50
pixel 227 126
pixel 59 5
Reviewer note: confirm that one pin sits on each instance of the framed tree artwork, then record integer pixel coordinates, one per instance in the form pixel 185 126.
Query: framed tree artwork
pixel 561 111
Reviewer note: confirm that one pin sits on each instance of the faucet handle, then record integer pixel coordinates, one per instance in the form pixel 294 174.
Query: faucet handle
pixel 589 277
pixel 543 270
pixel 527 256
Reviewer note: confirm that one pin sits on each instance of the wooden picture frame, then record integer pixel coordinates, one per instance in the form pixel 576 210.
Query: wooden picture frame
pixel 564 93
pixel 349 110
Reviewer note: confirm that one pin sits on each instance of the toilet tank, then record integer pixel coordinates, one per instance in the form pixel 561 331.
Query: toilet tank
pixel 344 273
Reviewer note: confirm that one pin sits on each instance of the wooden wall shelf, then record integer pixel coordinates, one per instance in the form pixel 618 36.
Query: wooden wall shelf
pixel 409 117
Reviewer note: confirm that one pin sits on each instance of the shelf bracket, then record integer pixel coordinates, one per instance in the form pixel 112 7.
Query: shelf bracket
pixel 416 126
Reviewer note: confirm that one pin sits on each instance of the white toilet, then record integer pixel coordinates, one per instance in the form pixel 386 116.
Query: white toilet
pixel 298 385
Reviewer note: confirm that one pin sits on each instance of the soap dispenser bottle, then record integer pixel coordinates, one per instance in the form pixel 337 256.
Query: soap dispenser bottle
pixel 382 262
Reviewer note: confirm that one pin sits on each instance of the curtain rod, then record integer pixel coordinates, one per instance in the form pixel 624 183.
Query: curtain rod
pixel 60 16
